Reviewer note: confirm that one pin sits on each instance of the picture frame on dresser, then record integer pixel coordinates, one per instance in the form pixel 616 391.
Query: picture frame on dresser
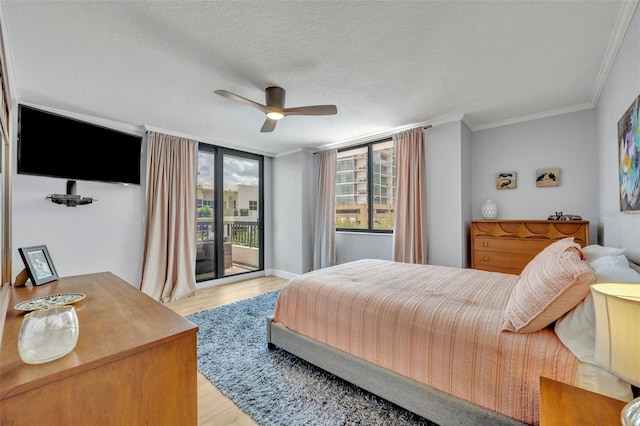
pixel 38 266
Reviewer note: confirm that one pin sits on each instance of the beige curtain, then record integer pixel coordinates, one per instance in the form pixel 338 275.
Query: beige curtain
pixel 324 251
pixel 168 271
pixel 410 226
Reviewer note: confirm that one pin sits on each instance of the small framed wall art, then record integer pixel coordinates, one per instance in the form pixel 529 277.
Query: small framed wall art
pixel 548 177
pixel 506 180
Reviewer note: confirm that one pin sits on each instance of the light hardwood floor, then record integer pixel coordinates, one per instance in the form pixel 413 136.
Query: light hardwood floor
pixel 213 407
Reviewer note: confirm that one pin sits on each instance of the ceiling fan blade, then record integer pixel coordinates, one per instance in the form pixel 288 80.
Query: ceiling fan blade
pixel 246 101
pixel 268 125
pixel 312 110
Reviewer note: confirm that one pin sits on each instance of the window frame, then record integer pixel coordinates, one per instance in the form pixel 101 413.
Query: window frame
pixel 218 194
pixel 370 196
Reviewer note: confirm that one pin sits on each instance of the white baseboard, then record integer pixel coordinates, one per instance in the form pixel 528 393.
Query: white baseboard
pixel 280 274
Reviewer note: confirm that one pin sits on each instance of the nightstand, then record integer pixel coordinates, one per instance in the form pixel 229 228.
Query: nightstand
pixel 563 404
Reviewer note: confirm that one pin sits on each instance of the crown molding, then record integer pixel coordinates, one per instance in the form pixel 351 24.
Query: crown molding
pixel 617 37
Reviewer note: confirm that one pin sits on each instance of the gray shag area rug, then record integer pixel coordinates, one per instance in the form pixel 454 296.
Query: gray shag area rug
pixel 275 387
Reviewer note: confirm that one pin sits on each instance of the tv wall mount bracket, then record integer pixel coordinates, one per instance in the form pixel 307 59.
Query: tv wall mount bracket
pixel 70 199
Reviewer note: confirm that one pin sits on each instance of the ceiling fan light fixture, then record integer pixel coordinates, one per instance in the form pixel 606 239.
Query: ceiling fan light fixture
pixel 275 115
pixel 274 107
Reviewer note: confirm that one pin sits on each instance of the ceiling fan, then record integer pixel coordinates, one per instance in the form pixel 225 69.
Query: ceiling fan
pixel 275 109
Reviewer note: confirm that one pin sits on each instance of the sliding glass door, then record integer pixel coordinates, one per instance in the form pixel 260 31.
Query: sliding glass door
pixel 230 213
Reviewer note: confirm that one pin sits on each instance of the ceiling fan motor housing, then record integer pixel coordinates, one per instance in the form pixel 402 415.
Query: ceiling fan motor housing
pixel 275 97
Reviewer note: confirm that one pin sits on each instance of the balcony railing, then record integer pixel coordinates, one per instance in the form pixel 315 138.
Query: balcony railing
pixel 242 233
pixel 238 233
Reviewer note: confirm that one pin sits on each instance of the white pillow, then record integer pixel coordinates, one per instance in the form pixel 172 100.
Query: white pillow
pixel 614 269
pixel 577 328
pixel 595 251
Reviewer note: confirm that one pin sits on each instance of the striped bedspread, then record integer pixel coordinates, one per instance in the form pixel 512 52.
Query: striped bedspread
pixel 435 324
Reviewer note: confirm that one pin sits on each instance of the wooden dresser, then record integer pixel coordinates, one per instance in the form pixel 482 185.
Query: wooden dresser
pixel 134 363
pixel 508 245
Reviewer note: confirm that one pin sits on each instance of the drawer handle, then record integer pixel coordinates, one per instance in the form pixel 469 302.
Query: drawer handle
pixel 485 244
pixel 485 258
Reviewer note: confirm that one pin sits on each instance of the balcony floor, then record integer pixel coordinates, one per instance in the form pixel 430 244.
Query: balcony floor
pixel 235 269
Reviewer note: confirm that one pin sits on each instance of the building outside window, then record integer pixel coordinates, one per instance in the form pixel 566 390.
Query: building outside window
pixel 365 187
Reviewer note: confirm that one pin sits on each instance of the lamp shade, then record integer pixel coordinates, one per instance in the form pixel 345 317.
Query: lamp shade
pixel 617 309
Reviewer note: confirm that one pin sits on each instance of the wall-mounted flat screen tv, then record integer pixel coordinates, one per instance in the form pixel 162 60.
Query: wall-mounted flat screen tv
pixel 57 146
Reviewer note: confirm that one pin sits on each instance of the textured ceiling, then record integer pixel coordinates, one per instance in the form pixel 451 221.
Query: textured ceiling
pixel 387 65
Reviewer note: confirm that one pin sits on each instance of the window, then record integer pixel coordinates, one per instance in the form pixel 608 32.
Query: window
pixel 366 187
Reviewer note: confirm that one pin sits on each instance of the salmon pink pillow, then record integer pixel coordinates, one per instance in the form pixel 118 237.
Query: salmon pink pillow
pixel 552 249
pixel 547 289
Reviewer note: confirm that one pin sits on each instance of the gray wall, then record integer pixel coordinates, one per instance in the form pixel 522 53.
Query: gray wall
pixel 447 155
pixel 107 235
pixel 462 169
pixel 293 213
pixel 445 225
pixel 622 88
pixel 567 141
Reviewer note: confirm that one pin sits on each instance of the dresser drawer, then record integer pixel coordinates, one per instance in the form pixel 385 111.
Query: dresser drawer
pixel 510 245
pixel 501 269
pixel 513 262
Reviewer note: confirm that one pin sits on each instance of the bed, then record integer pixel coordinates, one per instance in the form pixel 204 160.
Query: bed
pixel 456 346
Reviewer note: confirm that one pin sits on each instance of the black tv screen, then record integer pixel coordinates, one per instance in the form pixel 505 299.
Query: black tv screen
pixel 57 146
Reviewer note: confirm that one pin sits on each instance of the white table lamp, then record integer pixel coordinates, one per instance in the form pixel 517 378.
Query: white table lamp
pixel 617 308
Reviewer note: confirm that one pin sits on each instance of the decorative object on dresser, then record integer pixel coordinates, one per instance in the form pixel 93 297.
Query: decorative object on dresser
pixel 48 334
pixel 38 266
pixel 617 308
pixel 489 209
pixel 561 216
pixel 629 157
pixel 548 177
pixel 506 180
pixel 509 245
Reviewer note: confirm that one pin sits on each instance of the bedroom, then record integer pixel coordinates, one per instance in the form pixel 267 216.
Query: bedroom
pixel 109 239
pixel 581 143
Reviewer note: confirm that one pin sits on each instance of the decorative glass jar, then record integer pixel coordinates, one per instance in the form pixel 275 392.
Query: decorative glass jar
pixel 48 334
pixel 489 210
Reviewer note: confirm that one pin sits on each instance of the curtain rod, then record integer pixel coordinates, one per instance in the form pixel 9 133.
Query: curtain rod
pixel 423 127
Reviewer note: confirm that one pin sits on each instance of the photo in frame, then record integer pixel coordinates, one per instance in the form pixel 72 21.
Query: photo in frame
pixel 38 265
pixel 506 180
pixel 548 177
pixel 629 158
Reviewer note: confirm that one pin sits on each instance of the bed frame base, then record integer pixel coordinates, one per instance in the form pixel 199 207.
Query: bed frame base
pixel 430 403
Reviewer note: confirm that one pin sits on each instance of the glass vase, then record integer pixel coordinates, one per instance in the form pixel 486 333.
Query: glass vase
pixel 48 334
